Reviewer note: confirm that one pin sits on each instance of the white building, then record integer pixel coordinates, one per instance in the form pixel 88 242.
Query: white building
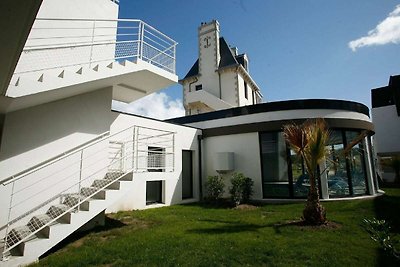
pixel 219 79
pixel 386 118
pixel 66 157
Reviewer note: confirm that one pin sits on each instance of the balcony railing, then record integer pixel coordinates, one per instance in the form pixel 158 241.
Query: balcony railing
pixel 63 43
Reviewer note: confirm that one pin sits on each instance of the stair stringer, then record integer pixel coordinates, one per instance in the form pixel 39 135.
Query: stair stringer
pixel 36 247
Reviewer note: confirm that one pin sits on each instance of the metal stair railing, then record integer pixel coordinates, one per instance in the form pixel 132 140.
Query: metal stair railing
pixel 61 43
pixel 77 177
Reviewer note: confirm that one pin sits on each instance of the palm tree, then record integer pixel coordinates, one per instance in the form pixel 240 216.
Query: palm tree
pixel 309 141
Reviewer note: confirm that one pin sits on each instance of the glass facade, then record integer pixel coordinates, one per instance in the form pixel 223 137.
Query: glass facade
pixel 284 174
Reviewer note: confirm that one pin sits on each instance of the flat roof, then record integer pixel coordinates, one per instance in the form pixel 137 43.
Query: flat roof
pixel 275 106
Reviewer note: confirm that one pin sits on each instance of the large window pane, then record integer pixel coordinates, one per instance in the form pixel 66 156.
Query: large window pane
pixel 274 165
pixel 187 174
pixel 356 162
pixel 336 171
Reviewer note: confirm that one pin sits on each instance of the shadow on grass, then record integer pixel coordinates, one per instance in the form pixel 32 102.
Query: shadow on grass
pixel 387 208
pixel 109 224
pixel 227 227
pixel 222 204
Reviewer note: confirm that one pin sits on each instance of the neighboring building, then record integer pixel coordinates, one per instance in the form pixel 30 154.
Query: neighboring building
pixel 386 117
pixel 219 79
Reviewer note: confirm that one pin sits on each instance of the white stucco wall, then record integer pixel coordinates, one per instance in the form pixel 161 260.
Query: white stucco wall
pixel 387 129
pixel 229 87
pixel 242 99
pixel 209 57
pixel 185 139
pixel 246 151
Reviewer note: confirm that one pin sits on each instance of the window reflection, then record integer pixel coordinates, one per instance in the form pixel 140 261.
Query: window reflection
pixel 356 164
pixel 345 173
pixel 301 183
pixel 336 167
pixel 274 165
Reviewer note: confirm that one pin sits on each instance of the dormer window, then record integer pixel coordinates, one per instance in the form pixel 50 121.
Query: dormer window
pixel 199 87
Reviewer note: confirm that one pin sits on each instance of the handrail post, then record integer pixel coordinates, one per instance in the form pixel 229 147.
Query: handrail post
pixel 80 180
pixel 8 218
pixel 136 150
pixel 133 148
pixel 91 46
pixel 173 152
pixel 122 157
pixel 174 59
pixel 141 39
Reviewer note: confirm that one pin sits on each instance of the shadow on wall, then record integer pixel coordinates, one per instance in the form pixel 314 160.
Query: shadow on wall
pixel 27 129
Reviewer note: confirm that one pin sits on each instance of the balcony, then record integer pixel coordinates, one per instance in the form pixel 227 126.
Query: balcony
pixel 202 97
pixel 68 52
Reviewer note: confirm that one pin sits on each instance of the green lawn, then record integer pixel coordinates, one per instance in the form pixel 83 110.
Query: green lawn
pixel 195 235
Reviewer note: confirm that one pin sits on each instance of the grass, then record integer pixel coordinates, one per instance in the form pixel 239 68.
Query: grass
pixel 198 235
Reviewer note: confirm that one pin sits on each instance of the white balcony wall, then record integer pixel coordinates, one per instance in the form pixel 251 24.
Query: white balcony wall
pixel 210 100
pixel 72 37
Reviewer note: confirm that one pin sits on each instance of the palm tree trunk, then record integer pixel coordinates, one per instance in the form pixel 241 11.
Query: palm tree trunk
pixel 314 213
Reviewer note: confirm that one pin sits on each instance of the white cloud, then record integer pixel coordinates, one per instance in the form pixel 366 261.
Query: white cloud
pixel 157 106
pixel 387 31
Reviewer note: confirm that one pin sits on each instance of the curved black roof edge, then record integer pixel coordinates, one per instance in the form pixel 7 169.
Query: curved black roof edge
pixel 275 106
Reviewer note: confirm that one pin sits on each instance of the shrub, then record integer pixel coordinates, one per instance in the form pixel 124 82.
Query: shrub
pixel 242 188
pixel 379 231
pixel 215 187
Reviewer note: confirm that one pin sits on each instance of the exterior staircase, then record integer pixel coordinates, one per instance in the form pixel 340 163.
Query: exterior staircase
pixel 43 231
pixel 47 206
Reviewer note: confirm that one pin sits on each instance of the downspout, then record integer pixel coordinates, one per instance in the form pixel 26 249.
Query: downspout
pixel 190 84
pixel 190 90
pixel 199 138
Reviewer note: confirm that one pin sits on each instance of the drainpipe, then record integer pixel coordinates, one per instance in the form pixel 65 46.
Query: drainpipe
pixel 190 84
pixel 199 138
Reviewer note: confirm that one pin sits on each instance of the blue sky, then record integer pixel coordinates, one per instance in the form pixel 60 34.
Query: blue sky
pixel 297 49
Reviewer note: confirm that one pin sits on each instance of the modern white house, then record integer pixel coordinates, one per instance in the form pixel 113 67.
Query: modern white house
pixel 386 118
pixel 220 78
pixel 66 157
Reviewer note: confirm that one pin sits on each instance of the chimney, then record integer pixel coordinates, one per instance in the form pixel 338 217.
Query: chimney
pixel 209 56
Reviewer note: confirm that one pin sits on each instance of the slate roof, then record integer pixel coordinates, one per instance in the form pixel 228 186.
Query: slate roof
pixel 227 59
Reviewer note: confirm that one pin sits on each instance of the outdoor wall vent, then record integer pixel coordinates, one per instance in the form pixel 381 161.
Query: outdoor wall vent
pixel 224 162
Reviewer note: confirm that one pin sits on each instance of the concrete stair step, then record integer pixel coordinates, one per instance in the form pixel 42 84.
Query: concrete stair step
pixel 72 200
pixel 60 209
pixel 106 182
pixel 93 192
